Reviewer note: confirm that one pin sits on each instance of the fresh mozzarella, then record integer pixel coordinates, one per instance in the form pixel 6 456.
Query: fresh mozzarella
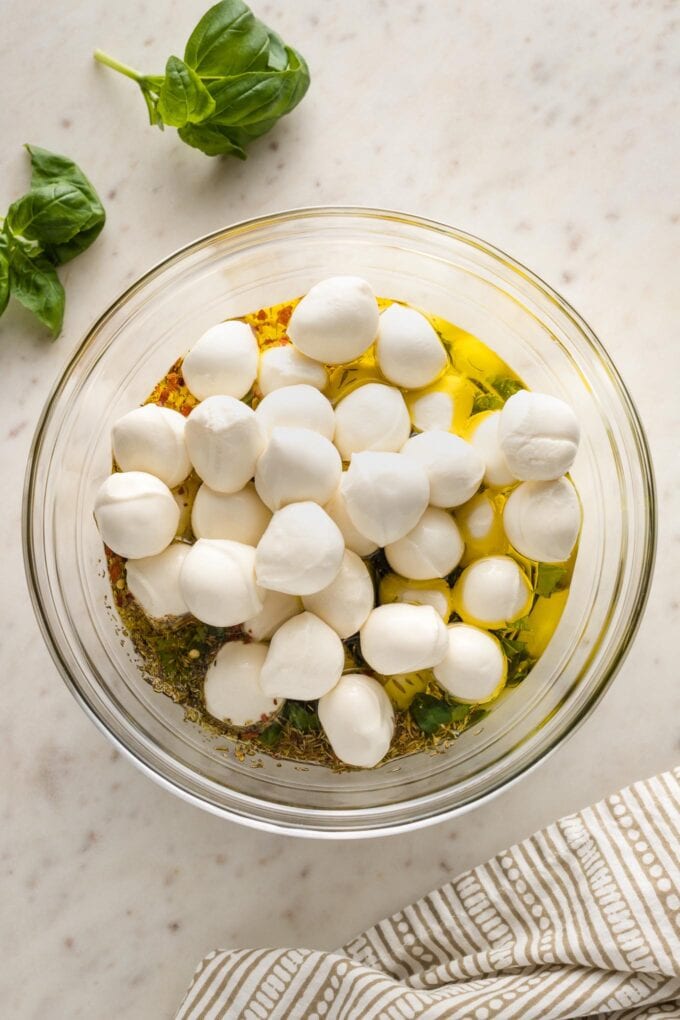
pixel 408 351
pixel 542 520
pixel 297 465
pixel 154 581
pixel 336 321
pixel 151 439
pixel 539 436
pixel 224 439
pixel 217 582
pixel 372 417
pixel 300 552
pixel 232 691
pixel 492 592
pixel 305 659
pixel 454 468
pixel 484 438
pixel 432 549
pixel 223 362
pixel 346 602
pixel 481 527
pixel 474 667
pixel 301 407
pixel 358 719
pixel 284 365
pixel 136 514
pixel 336 508
pixel 399 638
pixel 276 609
pixel 239 516
pixel 432 411
pixel 385 495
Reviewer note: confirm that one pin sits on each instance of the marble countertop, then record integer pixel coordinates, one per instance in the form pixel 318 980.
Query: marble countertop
pixel 548 128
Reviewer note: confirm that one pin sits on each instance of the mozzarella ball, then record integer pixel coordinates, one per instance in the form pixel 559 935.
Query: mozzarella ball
pixel 358 718
pixel 346 602
pixel 300 552
pixel 151 439
pixel 481 527
pixel 432 592
pixel 542 520
pixel 223 362
pixel 224 440
pixel 432 411
pixel 385 494
pixel 484 438
pixel 336 508
pixel 408 351
pixel 239 516
pixel 474 667
pixel 492 592
pixel 276 609
pixel 305 659
pixel 232 690
pixel 539 436
pixel 401 639
pixel 217 582
pixel 136 514
pixel 336 321
pixel 454 468
pixel 284 365
pixel 372 417
pixel 297 465
pixel 432 549
pixel 154 581
pixel 299 407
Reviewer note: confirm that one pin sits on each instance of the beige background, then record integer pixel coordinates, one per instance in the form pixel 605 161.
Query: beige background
pixel 548 128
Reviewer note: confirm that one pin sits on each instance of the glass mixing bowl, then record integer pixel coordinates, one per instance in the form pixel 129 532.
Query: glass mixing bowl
pixel 261 262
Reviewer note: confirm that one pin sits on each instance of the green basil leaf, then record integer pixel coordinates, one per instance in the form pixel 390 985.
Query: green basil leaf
pixel 36 285
pixel 50 213
pixel 271 735
pixel 4 281
pixel 61 253
pixel 228 39
pixel 183 97
pixel 486 402
pixel 212 140
pixel 301 717
pixel 259 95
pixel 549 579
pixel 511 646
pixel 430 713
pixel 278 57
pixel 506 387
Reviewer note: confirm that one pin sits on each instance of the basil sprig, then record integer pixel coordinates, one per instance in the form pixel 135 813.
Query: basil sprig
pixel 237 79
pixel 56 220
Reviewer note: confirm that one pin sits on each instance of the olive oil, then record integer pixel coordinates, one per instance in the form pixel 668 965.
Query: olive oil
pixel 175 654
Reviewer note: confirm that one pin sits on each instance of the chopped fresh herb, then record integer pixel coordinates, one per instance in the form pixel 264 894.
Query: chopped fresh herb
pixel 486 402
pixel 477 715
pixel 237 79
pixel 271 735
pixel 301 716
pixel 430 713
pixel 511 646
pixel 506 387
pixel 549 579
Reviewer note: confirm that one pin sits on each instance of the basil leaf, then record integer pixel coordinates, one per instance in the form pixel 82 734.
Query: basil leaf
pixel 36 285
pixel 4 273
pixel 228 39
pixel 259 95
pixel 486 402
pixel 301 717
pixel 183 97
pixel 506 387
pixel 549 579
pixel 271 735
pixel 430 713
pixel 278 57
pixel 213 141
pixel 50 213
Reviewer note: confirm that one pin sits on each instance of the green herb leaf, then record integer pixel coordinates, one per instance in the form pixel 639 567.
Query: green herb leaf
pixel 506 387
pixel 511 646
pixel 4 273
pixel 301 716
pixel 183 97
pixel 50 213
pixel 549 579
pixel 36 285
pixel 271 735
pixel 486 402
pixel 430 713
pixel 228 39
pixel 236 81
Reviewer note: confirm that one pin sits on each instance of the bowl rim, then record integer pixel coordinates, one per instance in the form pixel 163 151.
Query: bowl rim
pixel 620 650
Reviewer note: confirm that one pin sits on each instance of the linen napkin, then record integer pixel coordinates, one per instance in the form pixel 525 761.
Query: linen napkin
pixel 580 920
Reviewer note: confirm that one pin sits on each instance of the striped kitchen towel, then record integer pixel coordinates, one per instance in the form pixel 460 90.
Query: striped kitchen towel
pixel 580 920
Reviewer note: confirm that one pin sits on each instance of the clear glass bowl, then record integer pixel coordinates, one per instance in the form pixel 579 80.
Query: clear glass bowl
pixel 450 274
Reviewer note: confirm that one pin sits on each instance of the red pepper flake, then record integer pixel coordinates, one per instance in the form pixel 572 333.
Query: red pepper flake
pixel 262 314
pixel 284 314
pixel 163 396
pixel 186 410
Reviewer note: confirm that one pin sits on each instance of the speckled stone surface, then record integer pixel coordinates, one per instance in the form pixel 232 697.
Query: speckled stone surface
pixel 548 128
